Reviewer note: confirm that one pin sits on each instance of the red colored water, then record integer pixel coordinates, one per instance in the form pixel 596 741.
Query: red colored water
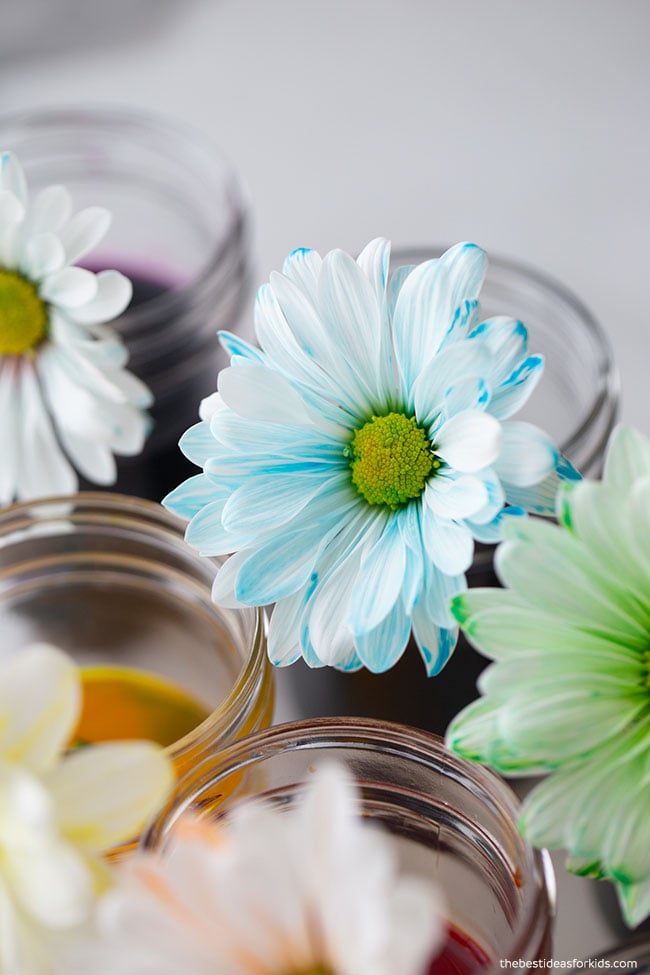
pixel 459 956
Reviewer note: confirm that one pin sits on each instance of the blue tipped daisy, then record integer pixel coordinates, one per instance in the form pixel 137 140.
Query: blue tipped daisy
pixel 351 460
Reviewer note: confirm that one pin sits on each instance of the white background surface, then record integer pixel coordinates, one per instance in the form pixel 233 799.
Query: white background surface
pixel 520 124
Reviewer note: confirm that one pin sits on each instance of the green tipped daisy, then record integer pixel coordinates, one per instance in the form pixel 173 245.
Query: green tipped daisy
pixel 569 692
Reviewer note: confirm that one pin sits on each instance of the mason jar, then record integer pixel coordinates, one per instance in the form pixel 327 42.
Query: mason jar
pixel 180 232
pixel 453 822
pixel 576 402
pixel 110 580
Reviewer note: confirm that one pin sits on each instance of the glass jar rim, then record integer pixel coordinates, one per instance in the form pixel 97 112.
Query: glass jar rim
pixel 419 746
pixel 139 122
pixel 132 511
pixel 603 409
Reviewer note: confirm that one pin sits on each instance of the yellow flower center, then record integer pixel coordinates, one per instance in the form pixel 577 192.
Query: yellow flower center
pixel 23 315
pixel 391 458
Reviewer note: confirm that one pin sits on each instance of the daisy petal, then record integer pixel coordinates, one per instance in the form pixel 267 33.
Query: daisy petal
pixel 455 498
pixel 469 441
pixel 198 443
pixel 303 267
pixel 43 468
pixel 427 303
pixel 379 582
pixel 40 701
pixel 92 812
pixel 627 458
pixel 374 261
pixel 527 455
pixel 113 294
pixel 43 255
pixel 380 648
pixel 71 287
pixel 510 397
pixel 11 209
pixel 449 545
pixel 191 496
pixel 436 644
pixel 453 363
pixel 282 566
pixel 284 629
pixel 259 393
pixel 49 210
pixel 83 232
pixel 12 177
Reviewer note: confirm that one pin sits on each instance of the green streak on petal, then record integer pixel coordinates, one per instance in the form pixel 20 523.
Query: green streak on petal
pixel 460 610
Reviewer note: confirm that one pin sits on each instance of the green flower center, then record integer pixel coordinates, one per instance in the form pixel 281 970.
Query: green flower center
pixel 23 315
pixel 391 458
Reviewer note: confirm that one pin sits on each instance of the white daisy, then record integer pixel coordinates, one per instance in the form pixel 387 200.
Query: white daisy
pixel 570 690
pixel 351 461
pixel 59 811
pixel 66 399
pixel 312 890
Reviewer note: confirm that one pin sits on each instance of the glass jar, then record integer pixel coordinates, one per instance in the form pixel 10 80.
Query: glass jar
pixel 576 402
pixel 110 580
pixel 455 823
pixel 179 231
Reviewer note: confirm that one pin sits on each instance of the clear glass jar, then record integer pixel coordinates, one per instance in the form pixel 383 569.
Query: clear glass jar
pixel 576 401
pixel 179 231
pixel 110 580
pixel 456 822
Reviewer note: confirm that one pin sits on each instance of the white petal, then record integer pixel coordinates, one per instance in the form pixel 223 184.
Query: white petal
pixel 223 587
pixel 71 287
pixel 352 315
pixel 248 508
pixel 284 629
pixel 42 468
pixel 329 630
pixel 211 405
pixel 458 361
pixel 428 301
pixel 455 498
pixel 9 429
pixel 380 648
pixel 285 564
pixel 40 702
pixel 12 177
pixel 113 294
pixel 303 267
pixel 105 794
pixel 527 454
pixel 379 583
pixel 449 546
pixel 192 495
pixel 11 209
pixel 259 393
pixel 374 261
pixel 43 255
pixel 84 231
pixel 510 398
pixel 92 458
pixel 49 210
pixel 469 441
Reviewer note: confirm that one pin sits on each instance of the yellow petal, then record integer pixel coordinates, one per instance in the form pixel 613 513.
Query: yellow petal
pixel 105 793
pixel 40 700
